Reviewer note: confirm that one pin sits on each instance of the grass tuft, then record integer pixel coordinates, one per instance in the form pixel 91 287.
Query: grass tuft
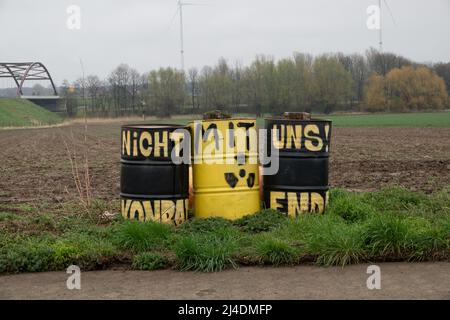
pixel 332 241
pixel 25 256
pixel 150 261
pixel 197 225
pixel 387 235
pixel 350 206
pixel 84 250
pixel 32 254
pixel 206 252
pixel 275 251
pixel 142 236
pixel 395 198
pixel 262 221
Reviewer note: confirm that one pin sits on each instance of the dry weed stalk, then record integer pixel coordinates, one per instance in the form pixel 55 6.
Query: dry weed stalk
pixel 81 179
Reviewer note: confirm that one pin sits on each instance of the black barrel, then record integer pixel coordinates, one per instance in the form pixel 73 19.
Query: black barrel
pixel 301 183
pixel 153 187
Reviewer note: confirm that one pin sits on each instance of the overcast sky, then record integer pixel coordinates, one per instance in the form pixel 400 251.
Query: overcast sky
pixel 143 34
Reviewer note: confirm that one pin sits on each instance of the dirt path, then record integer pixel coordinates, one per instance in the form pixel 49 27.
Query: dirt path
pixel 398 281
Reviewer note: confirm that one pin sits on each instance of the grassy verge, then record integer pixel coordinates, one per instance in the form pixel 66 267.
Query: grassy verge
pixel 393 224
pixel 23 113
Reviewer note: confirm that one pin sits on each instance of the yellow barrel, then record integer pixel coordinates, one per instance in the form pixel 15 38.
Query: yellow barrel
pixel 225 168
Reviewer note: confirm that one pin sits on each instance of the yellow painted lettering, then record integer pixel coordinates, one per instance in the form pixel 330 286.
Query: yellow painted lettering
pixel 179 212
pixel 157 210
pixel 149 215
pixel 317 202
pixel 125 207
pixel 278 143
pixel 135 149
pixel 309 145
pixel 293 136
pixel 304 202
pixel 274 196
pixel 137 210
pixel 126 145
pixel 145 136
pixel 293 204
pixel 167 211
pixel 161 144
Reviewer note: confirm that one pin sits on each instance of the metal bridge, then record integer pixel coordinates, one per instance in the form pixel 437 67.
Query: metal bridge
pixel 29 71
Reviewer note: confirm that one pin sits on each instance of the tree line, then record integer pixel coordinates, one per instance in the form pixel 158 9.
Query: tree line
pixel 375 81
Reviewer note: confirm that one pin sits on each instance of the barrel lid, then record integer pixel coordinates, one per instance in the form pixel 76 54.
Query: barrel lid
pixel 216 115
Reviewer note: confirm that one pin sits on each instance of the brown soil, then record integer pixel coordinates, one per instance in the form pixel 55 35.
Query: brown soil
pixel 370 158
pixel 35 165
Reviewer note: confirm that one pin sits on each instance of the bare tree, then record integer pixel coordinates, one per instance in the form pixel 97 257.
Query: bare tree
pixel 93 85
pixel 194 87
pixel 443 70
pixel 236 87
pixel 133 88
pixel 356 65
pixel 383 62
pixel 67 91
pixel 205 87
pixel 166 90
pixel 144 98
pixel 118 81
pixel 39 90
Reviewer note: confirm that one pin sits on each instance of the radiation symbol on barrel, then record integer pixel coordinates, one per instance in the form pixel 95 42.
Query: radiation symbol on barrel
pixel 232 179
pixel 225 168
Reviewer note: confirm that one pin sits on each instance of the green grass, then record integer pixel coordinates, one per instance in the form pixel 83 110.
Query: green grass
pixel 47 252
pixel 207 252
pixel 272 250
pixel 392 224
pixel 265 220
pixel 209 225
pixel 150 261
pixel 349 206
pixel 336 245
pixel 139 237
pixel 23 113
pixel 387 235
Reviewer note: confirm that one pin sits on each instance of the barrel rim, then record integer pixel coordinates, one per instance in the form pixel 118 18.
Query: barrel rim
pixel 143 126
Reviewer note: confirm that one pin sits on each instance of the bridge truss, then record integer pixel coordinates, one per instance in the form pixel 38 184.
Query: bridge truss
pixel 24 71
